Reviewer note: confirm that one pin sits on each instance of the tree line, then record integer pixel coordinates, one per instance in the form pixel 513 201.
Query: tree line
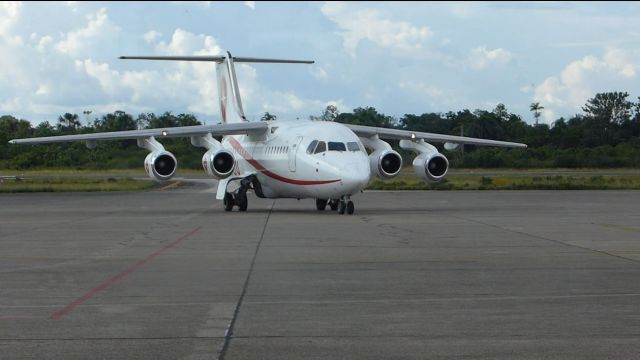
pixel 606 134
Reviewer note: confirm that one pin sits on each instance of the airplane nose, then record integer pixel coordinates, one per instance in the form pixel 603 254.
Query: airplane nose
pixel 355 176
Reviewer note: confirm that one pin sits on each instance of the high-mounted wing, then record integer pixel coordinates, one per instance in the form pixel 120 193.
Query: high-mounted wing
pixel 185 131
pixel 367 131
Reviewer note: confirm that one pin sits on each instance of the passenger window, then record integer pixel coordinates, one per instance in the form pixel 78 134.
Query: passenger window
pixel 322 147
pixel 336 146
pixel 353 146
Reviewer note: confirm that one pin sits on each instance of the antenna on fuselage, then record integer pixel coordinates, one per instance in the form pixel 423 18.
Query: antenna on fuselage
pixel 226 75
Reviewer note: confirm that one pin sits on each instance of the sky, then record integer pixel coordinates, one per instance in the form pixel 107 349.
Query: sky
pixel 400 58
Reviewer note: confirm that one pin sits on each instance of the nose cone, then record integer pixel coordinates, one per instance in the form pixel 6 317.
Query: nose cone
pixel 355 176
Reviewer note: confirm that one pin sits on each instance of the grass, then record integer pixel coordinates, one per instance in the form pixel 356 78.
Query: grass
pixel 48 180
pixel 75 185
pixel 82 173
pixel 516 180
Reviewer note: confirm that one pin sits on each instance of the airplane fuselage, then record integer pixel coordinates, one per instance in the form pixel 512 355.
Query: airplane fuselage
pixel 302 159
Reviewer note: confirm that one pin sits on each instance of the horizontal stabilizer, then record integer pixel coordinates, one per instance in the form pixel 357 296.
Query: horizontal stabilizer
pixel 217 59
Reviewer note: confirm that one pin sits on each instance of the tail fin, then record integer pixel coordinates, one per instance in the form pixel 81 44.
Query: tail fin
pixel 226 76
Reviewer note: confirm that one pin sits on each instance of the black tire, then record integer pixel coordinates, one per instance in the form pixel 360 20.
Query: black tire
pixel 350 208
pixel 244 203
pixel 333 204
pixel 228 202
pixel 321 204
pixel 341 207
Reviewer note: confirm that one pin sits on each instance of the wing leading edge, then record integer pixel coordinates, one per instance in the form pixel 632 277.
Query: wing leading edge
pixel 368 131
pixel 184 131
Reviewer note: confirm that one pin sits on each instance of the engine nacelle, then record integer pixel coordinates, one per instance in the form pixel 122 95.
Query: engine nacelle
pixel 385 163
pixel 431 166
pixel 218 163
pixel 160 165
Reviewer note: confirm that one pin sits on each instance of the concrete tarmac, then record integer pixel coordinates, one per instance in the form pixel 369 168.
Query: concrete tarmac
pixel 411 275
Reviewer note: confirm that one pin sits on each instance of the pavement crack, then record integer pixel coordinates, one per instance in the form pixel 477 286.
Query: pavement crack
pixel 229 332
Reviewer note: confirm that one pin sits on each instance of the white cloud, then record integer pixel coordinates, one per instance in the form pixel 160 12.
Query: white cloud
pixel 9 12
pixel 44 42
pixel 107 78
pixel 98 26
pixel 73 5
pixel 319 73
pixel 436 96
pixel 251 4
pixel 43 89
pixel 258 99
pixel 151 36
pixel 583 78
pixel 186 43
pixel 481 58
pixel 371 25
pixel 463 9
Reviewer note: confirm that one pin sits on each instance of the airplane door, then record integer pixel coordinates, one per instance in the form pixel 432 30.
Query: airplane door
pixel 293 149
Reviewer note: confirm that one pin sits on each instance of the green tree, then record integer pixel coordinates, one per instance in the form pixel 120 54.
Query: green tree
pixel 117 121
pixel 368 116
pixel 610 107
pixel 268 117
pixel 536 108
pixel 330 113
pixel 69 121
pixel 607 116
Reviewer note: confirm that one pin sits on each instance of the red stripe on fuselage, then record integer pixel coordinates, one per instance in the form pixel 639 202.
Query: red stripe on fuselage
pixel 245 154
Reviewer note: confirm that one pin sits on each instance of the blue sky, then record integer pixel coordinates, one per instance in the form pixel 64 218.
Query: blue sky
pixel 397 57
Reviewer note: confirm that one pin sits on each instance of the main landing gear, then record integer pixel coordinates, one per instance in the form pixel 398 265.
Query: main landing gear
pixel 344 204
pixel 231 200
pixel 239 197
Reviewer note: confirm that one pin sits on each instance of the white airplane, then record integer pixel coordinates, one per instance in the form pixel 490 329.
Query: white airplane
pixel 323 160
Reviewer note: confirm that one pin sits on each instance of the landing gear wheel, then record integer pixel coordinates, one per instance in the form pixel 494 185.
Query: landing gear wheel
pixel 321 204
pixel 333 204
pixel 228 202
pixel 243 203
pixel 341 207
pixel 350 207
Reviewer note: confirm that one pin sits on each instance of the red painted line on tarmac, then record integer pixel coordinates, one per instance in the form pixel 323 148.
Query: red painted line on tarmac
pixel 71 306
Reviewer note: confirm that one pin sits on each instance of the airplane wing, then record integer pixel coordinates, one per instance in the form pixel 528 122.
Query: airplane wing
pixel 184 131
pixel 367 131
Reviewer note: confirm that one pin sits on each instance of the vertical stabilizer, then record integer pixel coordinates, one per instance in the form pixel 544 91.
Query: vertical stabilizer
pixel 227 80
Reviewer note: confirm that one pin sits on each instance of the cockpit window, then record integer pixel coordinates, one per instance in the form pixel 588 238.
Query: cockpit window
pixel 312 146
pixel 322 147
pixel 353 146
pixel 336 146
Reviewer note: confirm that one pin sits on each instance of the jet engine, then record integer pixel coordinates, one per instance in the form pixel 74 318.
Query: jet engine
pixel 160 165
pixel 431 166
pixel 385 163
pixel 218 163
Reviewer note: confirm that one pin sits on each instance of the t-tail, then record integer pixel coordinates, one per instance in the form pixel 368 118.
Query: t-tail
pixel 226 78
